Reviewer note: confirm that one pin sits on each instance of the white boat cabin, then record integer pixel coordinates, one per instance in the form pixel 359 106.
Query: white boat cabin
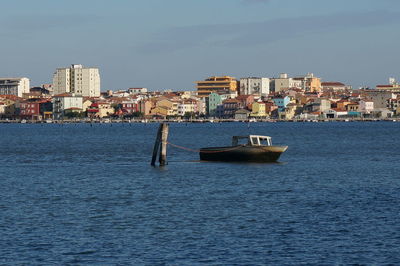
pixel 252 140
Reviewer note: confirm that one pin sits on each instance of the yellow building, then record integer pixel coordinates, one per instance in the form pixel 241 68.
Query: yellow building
pixel 9 104
pixel 225 84
pixel 86 104
pixel 310 83
pixel 314 84
pixel 258 110
pixel 162 111
pixel 170 105
pixel 289 112
pixel 146 106
pixel 105 109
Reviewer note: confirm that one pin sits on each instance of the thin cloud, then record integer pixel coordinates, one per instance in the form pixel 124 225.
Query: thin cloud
pixel 259 33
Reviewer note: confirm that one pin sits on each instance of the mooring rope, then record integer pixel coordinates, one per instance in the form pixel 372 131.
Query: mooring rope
pixel 203 151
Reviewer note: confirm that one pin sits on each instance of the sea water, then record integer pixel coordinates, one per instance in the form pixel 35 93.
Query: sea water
pixel 85 194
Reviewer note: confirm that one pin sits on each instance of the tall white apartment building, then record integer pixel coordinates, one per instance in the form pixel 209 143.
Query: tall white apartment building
pixel 77 79
pixel 254 86
pixel 14 86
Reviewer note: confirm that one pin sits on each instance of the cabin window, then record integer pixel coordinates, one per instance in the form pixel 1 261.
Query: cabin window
pixel 266 142
pixel 255 141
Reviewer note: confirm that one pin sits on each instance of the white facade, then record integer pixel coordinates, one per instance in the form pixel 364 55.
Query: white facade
pixel 14 86
pixel 120 93
pixel 254 86
pixel 186 107
pixel 2 108
pixel 366 106
pixel 77 79
pixel 66 101
pixel 137 90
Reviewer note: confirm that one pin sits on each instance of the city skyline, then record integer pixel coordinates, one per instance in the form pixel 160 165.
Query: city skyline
pixel 169 45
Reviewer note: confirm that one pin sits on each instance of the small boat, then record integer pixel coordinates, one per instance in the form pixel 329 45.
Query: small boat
pixel 255 149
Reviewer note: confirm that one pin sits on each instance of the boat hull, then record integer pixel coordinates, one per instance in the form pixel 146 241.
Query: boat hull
pixel 260 154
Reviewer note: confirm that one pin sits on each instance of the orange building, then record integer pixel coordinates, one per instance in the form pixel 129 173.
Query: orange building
pixel 225 84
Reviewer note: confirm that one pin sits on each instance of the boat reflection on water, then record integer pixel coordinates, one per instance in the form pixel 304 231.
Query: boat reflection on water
pixel 255 149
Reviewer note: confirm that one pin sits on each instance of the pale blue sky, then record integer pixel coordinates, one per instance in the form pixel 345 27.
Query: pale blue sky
pixel 170 44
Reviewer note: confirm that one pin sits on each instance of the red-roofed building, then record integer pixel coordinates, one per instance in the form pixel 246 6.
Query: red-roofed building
pixel 335 86
pixel 35 109
pixel 388 87
pixel 230 106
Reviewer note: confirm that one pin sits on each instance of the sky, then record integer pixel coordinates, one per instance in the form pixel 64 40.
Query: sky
pixel 170 44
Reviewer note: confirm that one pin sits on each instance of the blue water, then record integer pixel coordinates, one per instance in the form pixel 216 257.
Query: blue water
pixel 82 195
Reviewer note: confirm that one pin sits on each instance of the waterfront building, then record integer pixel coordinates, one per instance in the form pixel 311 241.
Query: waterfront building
pixel 246 100
pixel 394 105
pixel 314 106
pixel 342 103
pixel 2 108
pixel 382 113
pixel 270 108
pixel 353 107
pixel 170 105
pixel 258 110
pixel 105 109
pixel 77 79
pixel 162 111
pixel 186 106
pixel 220 111
pixel 29 110
pixel 11 105
pixel 288 112
pixel 66 103
pixel 379 97
pixel 87 102
pixel 130 106
pixel 242 114
pixel 14 86
pixel 366 106
pixel 281 102
pixel 224 84
pixel 145 106
pixel 254 86
pixel 230 106
pixel 323 104
pixel 35 109
pixel 334 113
pixel 100 109
pixel 212 102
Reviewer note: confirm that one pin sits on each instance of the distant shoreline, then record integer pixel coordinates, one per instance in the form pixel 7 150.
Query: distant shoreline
pixel 145 121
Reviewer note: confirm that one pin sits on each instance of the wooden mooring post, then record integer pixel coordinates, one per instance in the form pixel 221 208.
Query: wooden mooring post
pixel 160 145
